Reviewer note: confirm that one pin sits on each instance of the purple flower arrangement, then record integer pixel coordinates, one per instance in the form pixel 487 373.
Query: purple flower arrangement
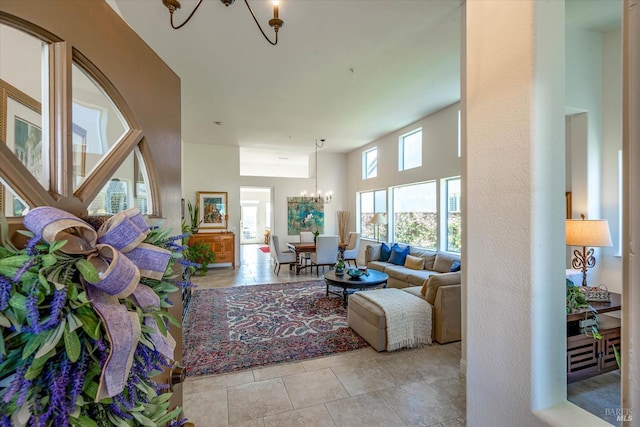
pixel 54 345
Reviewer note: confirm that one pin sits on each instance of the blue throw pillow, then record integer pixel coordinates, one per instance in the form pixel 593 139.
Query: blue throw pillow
pixel 455 266
pixel 385 252
pixel 399 255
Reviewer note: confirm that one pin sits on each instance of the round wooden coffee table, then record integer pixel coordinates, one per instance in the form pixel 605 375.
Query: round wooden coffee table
pixel 375 280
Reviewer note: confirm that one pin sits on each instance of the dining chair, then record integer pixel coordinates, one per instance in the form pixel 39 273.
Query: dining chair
pixel 280 257
pixel 326 252
pixel 351 251
pixel 306 237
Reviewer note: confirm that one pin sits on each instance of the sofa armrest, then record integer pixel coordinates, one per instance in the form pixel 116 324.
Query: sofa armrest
pixel 372 252
pixel 447 314
pixel 435 281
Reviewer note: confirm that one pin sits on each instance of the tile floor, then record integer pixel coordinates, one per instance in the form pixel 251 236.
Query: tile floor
pixel 420 387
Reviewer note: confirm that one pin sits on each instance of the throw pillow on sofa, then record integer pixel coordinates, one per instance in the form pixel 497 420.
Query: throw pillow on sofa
pixel 385 252
pixel 414 262
pixel 455 266
pixel 398 254
pixel 443 262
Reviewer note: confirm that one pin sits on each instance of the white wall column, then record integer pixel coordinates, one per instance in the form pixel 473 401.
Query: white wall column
pixel 631 214
pixel 516 339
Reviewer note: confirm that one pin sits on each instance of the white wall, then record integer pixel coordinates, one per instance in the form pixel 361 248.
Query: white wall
pixel 583 93
pixel 514 214
pixel 610 271
pixel 439 159
pixel 332 176
pixel 213 168
pixel 594 87
pixel 217 168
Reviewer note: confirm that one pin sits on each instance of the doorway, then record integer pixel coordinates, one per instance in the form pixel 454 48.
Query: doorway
pixel 255 215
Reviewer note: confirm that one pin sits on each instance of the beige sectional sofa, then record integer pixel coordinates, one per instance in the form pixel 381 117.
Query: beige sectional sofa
pixel 435 283
pixel 410 274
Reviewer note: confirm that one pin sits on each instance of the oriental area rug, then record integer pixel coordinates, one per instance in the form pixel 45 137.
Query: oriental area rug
pixel 231 329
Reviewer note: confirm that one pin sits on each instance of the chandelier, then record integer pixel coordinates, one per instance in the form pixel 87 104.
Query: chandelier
pixel 317 197
pixel 274 22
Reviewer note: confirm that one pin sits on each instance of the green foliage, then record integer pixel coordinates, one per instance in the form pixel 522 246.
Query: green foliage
pixel 201 253
pixel 575 298
pixel 454 232
pixel 617 354
pixel 194 215
pixel 417 228
pixel 53 343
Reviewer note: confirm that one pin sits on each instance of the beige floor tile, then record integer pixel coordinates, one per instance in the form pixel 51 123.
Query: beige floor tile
pixel 455 422
pixel 369 410
pixel 422 404
pixel 198 384
pixel 363 378
pixel 251 423
pixel 257 400
pixel 403 368
pixel 313 388
pixel 207 408
pixel 314 416
pixel 350 357
pixel 278 371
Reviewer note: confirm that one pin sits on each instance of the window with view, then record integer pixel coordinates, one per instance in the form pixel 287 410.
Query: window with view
pixel 454 236
pixel 372 202
pixel 410 150
pixel 370 163
pixel 415 215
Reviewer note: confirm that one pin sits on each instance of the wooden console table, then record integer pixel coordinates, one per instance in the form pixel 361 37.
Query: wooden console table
pixel 222 244
pixel 586 356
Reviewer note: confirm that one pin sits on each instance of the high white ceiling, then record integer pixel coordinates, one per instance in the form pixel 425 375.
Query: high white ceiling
pixel 348 71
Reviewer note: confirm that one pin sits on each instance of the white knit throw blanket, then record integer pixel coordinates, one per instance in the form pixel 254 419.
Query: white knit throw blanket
pixel 408 317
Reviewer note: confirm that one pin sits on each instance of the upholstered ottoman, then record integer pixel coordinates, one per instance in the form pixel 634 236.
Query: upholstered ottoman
pixel 369 319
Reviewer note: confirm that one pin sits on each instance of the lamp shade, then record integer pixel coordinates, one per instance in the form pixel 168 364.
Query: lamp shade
pixel 588 232
pixel 379 218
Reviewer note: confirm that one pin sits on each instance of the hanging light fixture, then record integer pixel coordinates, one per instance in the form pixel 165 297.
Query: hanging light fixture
pixel 317 197
pixel 274 22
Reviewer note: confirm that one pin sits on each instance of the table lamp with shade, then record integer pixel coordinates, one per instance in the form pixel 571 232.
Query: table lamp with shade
pixel 378 219
pixel 586 233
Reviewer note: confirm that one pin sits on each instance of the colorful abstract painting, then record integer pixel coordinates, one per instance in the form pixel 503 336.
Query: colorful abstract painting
pixel 305 214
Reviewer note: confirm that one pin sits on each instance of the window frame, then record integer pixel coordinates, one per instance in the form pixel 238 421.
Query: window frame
pixel 403 141
pixel 392 221
pixel 446 210
pixel 365 163
pixel 362 225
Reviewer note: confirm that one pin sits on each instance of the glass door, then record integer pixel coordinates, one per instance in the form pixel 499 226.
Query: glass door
pixel 249 224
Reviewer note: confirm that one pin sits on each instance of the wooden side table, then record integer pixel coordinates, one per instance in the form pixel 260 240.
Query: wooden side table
pixel 586 356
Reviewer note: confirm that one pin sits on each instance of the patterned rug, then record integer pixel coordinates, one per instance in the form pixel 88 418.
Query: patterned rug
pixel 231 329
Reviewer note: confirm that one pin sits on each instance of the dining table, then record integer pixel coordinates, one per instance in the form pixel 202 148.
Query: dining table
pixel 304 247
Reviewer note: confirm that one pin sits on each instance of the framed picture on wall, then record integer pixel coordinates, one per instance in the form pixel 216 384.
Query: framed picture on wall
pixel 21 130
pixel 212 209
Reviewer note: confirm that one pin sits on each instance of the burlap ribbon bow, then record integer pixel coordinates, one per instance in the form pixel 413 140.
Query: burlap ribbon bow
pixel 118 254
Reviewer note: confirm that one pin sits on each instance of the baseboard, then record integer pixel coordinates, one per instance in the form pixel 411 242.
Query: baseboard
pixel 463 367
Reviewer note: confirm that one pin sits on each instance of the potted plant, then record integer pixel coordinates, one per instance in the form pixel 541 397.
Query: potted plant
pixel 200 253
pixel 194 217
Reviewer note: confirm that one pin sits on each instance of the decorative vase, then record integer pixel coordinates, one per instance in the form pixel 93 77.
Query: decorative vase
pixel 340 267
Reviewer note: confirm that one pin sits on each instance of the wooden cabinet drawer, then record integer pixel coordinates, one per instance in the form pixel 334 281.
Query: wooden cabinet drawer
pixel 222 244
